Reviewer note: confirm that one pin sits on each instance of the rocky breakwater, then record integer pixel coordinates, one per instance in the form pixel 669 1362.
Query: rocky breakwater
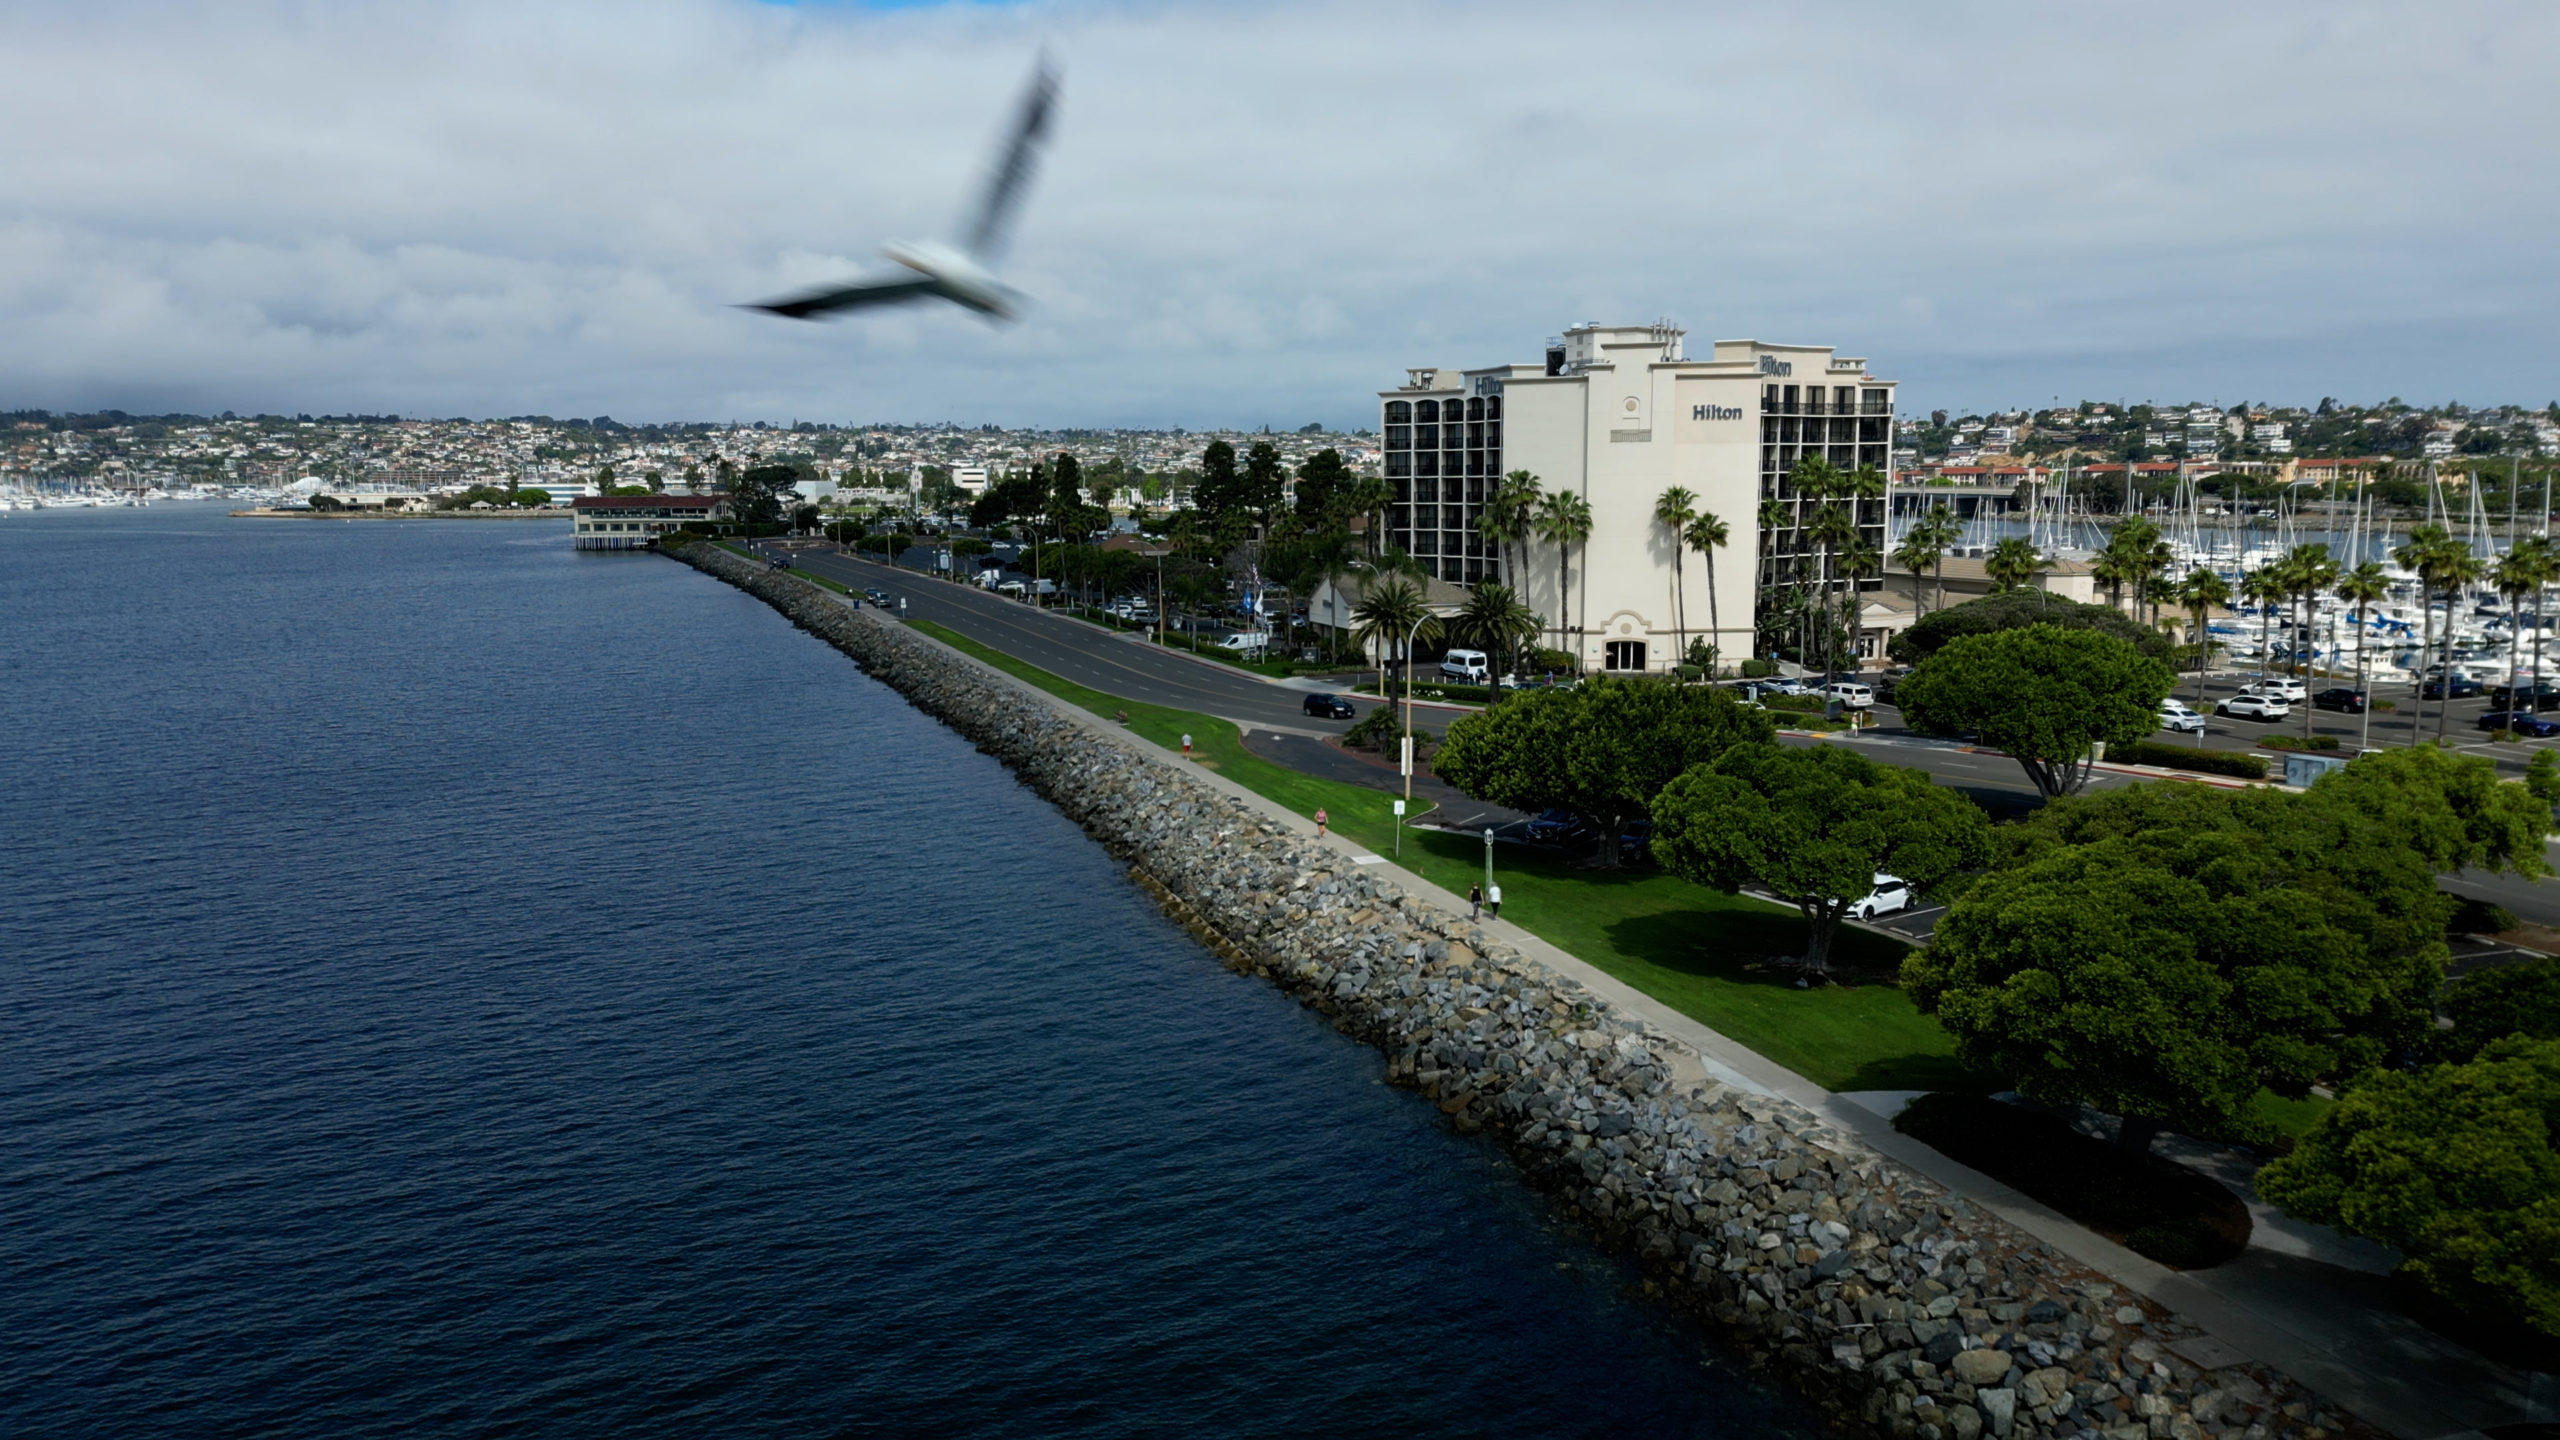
pixel 1897 1308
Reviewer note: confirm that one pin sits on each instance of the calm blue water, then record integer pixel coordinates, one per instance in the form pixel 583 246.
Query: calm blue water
pixel 457 987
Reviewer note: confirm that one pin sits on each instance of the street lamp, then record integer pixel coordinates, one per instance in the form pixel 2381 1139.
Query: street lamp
pixel 1488 860
pixel 1425 618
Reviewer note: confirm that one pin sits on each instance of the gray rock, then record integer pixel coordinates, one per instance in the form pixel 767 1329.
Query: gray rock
pixel 1980 1367
pixel 1999 1409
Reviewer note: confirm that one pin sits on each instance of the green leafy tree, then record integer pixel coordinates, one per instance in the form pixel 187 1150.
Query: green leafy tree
pixel 2043 695
pixel 2486 1006
pixel 1219 491
pixel 1603 750
pixel 1815 826
pixel 2164 951
pixel 2017 609
pixel 2455 1167
pixel 529 498
pixel 756 494
pixel 1324 483
pixel 1264 480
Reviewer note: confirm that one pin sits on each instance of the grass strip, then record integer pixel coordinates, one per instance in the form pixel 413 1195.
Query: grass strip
pixel 1695 949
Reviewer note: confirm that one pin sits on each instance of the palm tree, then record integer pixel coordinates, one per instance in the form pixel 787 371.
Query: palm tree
pixel 1368 497
pixel 2419 554
pixel 1707 534
pixel 2202 593
pixel 2308 570
pixel 2516 574
pixel 1495 618
pixel 2360 587
pixel 1773 518
pixel 1509 513
pixel 1391 610
pixel 2012 563
pixel 1916 554
pixel 1858 559
pixel 1832 530
pixel 2547 562
pixel 2265 588
pixel 1674 509
pixel 1564 521
pixel 2458 570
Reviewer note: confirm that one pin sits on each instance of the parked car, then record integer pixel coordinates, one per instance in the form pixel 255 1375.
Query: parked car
pixel 1467 665
pixel 876 595
pixel 1329 707
pixel 2545 696
pixel 2256 707
pixel 2522 722
pixel 1781 685
pixel 2174 715
pixel 1246 640
pixel 2282 687
pixel 2459 688
pixel 1850 694
pixel 2342 698
pixel 1890 895
pixel 1636 841
pixel 1553 827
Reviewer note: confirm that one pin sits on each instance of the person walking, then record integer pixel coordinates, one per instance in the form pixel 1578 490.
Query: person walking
pixel 1319 822
pixel 1475 902
pixel 1493 902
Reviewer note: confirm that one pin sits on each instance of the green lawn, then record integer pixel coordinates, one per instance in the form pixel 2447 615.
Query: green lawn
pixel 1690 947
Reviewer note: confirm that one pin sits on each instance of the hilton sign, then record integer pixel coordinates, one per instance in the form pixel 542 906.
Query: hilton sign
pixel 1714 412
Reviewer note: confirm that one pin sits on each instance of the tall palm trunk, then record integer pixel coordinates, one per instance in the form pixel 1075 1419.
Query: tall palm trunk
pixel 1715 618
pixel 2444 711
pixel 2426 647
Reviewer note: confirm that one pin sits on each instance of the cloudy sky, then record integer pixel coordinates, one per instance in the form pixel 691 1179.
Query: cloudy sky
pixel 1259 214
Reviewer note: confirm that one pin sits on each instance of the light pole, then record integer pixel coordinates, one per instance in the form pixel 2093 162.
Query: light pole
pixel 1416 629
pixel 1488 860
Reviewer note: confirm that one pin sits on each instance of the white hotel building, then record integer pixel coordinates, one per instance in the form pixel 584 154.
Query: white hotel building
pixel 1618 415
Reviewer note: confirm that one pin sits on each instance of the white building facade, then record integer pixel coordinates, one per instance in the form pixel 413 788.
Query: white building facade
pixel 1618 415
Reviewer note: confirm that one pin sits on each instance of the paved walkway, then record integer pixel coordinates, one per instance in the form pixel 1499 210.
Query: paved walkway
pixel 2329 1326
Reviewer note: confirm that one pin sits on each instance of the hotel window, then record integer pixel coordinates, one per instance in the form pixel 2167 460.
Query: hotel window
pixel 1398 412
pixel 1426 517
pixel 1426 489
pixel 1399 463
pixel 1788 398
pixel 1426 437
pixel 1769 398
pixel 1475 409
pixel 1427 411
pixel 1399 437
pixel 1427 463
pixel 1624 655
pixel 1493 408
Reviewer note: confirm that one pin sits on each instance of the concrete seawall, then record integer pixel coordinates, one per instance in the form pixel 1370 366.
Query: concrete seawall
pixel 1894 1307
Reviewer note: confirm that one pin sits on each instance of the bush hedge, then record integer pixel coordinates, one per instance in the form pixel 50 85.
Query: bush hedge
pixel 2151 1206
pixel 2293 742
pixel 2181 757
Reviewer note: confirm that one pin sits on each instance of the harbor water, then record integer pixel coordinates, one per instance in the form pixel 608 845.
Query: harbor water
pixel 461 987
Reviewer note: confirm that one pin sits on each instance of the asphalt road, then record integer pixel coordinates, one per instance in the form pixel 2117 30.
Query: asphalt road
pixel 1272 717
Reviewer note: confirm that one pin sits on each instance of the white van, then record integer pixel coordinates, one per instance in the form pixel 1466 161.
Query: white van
pixel 1469 665
pixel 1851 695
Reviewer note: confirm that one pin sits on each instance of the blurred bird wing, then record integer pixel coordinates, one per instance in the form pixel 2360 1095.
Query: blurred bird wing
pixel 1012 177
pixel 885 290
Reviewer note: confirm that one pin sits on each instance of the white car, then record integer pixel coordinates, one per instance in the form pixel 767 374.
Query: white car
pixel 1890 895
pixel 1850 694
pixel 2277 687
pixel 2174 715
pixel 1470 665
pixel 2256 707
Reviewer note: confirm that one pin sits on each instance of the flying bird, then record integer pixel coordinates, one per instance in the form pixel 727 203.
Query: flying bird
pixel 958 273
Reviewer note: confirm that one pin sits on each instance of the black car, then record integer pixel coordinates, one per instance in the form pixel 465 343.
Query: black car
pixel 2526 697
pixel 1556 826
pixel 2342 698
pixel 2520 722
pixel 1329 707
pixel 2462 689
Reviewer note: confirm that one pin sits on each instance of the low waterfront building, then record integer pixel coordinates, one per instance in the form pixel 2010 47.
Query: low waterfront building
pixel 634 522
pixel 1618 415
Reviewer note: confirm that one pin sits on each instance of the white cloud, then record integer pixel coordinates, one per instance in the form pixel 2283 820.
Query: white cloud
pixel 1262 215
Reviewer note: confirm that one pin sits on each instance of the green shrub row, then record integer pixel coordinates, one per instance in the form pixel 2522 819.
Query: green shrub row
pixel 2181 757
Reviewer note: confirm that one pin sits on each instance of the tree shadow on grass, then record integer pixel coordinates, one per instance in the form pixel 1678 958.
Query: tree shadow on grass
pixel 1753 946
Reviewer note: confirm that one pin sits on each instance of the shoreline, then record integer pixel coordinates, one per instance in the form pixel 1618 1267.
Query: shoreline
pixel 1864 1286
pixel 263 512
